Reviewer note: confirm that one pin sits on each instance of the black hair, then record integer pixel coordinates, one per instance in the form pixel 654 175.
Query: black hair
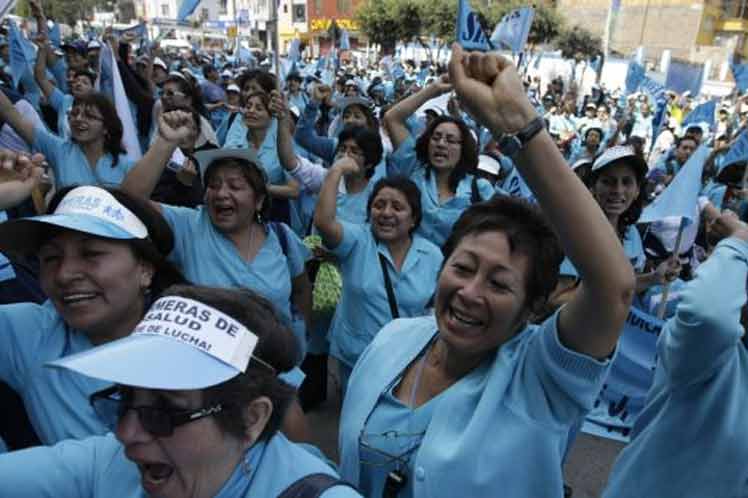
pixel 276 346
pixel 190 89
pixel 253 173
pixel 113 129
pixel 528 232
pixel 266 80
pixel 370 142
pixel 408 188
pixel 468 153
pixel 87 73
pixel 154 249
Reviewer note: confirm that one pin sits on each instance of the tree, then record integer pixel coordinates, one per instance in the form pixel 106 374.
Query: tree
pixel 579 44
pixel 67 11
pixel 388 21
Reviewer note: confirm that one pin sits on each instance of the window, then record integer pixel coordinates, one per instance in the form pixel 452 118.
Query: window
pixel 204 15
pixel 344 6
pixel 318 7
pixel 223 7
pixel 165 10
pixel 299 13
pixel 285 8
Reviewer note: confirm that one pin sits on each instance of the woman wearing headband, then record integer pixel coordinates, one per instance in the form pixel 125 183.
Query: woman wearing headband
pixel 229 242
pixel 474 401
pixel 102 258
pixel 195 403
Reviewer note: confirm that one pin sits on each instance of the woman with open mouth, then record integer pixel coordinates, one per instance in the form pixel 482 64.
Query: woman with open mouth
pixel 387 270
pixel 195 403
pixel 441 162
pixel 474 401
pixel 102 256
pixel 93 155
pixel 229 241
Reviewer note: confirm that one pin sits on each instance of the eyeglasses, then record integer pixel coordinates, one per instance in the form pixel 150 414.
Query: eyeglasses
pixel 172 93
pixel 78 113
pixel 451 140
pixel 351 151
pixel 113 403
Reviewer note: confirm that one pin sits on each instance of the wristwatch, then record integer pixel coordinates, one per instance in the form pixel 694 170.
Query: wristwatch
pixel 509 145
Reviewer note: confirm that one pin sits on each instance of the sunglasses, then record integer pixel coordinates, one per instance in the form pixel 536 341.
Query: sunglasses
pixel 113 403
pixel 173 93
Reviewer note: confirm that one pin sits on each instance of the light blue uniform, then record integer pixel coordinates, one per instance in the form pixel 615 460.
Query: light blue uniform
pixel 70 166
pixel 56 400
pixel 438 217
pixel 62 103
pixel 207 257
pixel 97 467
pixel 499 431
pixel 692 437
pixel 364 309
pixel 632 247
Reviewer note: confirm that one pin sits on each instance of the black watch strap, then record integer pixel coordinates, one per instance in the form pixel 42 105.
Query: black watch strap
pixel 528 132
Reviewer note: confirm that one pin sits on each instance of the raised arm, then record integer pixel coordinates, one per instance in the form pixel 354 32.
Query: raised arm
pixel 279 109
pixel 40 67
pixel 325 214
pixel 491 90
pixel 173 127
pixel 306 135
pixel 394 119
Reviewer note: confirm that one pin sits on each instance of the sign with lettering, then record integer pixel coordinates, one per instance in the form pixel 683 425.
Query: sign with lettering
pixel 201 327
pixel 631 375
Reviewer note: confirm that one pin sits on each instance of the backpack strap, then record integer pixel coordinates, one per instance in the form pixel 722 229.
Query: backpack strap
pixel 280 232
pixel 312 486
pixel 474 192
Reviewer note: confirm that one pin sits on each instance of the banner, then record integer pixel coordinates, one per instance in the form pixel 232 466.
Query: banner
pixel 512 31
pixel 634 76
pixel 738 151
pixel 703 113
pixel 684 77
pixel 740 73
pixel 21 53
pixel 122 104
pixel 469 31
pixel 186 8
pixel 630 378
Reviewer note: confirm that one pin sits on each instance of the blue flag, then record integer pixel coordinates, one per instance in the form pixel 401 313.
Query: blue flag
pixel 294 55
pixel 657 93
pixel 512 31
pixel 469 31
pixel 538 58
pixel 703 113
pixel 186 9
pixel 684 76
pixel 21 54
pixel 345 41
pixel 738 152
pixel 634 76
pixel 138 30
pixel 740 72
pixel 680 198
pixel 55 36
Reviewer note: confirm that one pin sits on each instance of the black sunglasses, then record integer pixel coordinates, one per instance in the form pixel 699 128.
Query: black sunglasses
pixel 113 403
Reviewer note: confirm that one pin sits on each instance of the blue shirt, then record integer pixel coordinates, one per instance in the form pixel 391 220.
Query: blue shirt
pixel 62 103
pixel 363 307
pixel 70 166
pixel 98 468
pixel 632 247
pixel 501 430
pixel 438 216
pixel 207 257
pixel 56 400
pixel 699 397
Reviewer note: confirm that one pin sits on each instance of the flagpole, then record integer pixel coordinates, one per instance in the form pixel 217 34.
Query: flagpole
pixel 666 291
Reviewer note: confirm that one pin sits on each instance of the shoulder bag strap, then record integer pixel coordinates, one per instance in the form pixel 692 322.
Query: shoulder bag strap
pixel 388 287
pixel 312 486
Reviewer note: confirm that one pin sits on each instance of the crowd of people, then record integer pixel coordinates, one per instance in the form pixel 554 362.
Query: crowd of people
pixel 461 242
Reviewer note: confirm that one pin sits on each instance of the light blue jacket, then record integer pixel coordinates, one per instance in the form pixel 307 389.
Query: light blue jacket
pixel 98 468
pixel 364 309
pixel 691 439
pixel 56 400
pixel 499 431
